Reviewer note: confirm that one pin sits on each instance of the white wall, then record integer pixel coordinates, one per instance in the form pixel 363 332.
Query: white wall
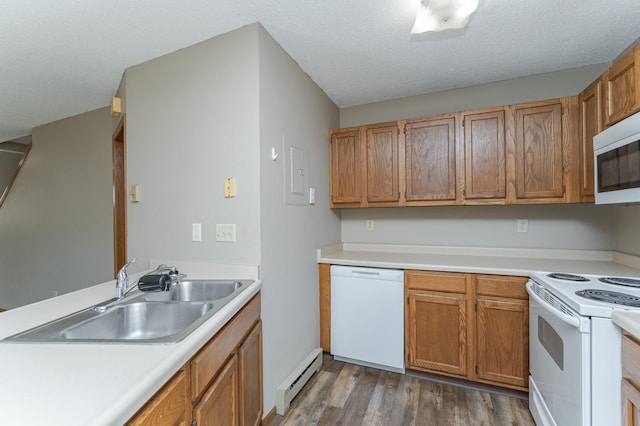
pixel 56 226
pixel 627 229
pixel 292 107
pixel 192 120
pixel 587 227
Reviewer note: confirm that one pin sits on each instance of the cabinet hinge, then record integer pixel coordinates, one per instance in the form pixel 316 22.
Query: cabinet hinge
pixel 407 300
pixel 475 308
pixel 561 109
pixel 476 369
pixel 564 189
pixel 463 120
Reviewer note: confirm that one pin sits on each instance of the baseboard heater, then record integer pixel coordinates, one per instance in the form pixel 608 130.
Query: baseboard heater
pixel 290 387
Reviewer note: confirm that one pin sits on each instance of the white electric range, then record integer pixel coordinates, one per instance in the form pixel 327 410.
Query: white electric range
pixel 574 348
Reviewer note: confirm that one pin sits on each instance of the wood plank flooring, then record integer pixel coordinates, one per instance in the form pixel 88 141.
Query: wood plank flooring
pixel 347 394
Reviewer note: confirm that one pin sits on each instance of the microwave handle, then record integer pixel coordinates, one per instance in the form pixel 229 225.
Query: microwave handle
pixel 572 321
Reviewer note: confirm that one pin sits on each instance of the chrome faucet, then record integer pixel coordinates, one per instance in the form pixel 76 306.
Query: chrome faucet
pixel 122 281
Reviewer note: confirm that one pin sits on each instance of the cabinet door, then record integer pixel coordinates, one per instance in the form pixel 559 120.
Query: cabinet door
pixel 591 123
pixel 169 407
pixel 430 156
pixel 345 164
pixel 538 151
pixel 503 341
pixel 630 404
pixel 436 332
pixel 219 405
pixel 382 164
pixel 484 155
pixel 250 369
pixel 622 87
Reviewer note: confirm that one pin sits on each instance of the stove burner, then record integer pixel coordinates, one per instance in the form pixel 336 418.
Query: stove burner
pixel 567 277
pixel 629 282
pixel 610 297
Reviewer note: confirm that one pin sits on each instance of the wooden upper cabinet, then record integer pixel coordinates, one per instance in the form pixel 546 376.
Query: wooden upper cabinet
pixel 345 168
pixel 430 161
pixel 382 164
pixel 622 87
pixel 484 155
pixel 538 151
pixel 591 123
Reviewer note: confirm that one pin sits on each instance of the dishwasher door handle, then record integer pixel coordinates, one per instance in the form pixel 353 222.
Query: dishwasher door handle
pixel 365 274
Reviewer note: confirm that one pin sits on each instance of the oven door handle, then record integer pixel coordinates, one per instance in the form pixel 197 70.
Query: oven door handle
pixel 572 321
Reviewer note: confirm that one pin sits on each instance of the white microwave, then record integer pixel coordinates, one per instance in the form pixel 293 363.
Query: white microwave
pixel 617 163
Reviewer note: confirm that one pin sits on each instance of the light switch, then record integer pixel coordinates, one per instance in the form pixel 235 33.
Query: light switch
pixel 229 187
pixel 196 232
pixel 134 193
pixel 312 195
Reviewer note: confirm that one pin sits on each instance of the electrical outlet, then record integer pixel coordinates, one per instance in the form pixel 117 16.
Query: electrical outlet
pixel 369 225
pixel 523 226
pixel 226 233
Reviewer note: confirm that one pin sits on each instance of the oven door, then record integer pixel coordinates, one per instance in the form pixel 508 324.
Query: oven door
pixel 559 361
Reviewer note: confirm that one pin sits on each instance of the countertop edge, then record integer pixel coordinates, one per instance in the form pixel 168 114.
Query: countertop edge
pixel 628 321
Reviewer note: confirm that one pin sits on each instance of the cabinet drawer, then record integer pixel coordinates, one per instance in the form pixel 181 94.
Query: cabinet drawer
pixel 206 364
pixel 503 286
pixel 451 282
pixel 167 407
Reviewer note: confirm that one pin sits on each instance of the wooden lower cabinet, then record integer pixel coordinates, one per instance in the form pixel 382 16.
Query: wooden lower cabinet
pixel 503 347
pixel 630 404
pixel 437 317
pixel 170 406
pixel 630 381
pixel 221 385
pixel 250 378
pixel 468 325
pixel 219 405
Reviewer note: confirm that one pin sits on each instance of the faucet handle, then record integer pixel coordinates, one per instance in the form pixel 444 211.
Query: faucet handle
pixel 122 273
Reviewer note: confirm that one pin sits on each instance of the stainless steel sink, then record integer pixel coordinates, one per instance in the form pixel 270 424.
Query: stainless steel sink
pixel 200 291
pixel 158 317
pixel 139 321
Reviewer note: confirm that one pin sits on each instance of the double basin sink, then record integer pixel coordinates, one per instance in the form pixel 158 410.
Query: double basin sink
pixel 145 317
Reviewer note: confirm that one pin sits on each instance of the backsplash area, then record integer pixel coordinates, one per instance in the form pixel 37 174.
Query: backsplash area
pixel 627 229
pixel 573 226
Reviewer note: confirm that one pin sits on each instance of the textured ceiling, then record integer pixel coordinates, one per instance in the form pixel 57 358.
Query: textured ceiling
pixel 63 57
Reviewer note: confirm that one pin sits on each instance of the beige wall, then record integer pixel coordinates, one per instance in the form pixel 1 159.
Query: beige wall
pixel 294 109
pixel 56 226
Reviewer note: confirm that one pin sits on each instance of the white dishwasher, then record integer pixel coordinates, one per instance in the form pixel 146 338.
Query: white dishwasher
pixel 367 316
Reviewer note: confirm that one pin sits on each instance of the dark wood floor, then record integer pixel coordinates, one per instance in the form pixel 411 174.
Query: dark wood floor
pixel 348 394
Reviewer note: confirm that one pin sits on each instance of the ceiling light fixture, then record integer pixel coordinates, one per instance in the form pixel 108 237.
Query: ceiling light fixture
pixel 439 15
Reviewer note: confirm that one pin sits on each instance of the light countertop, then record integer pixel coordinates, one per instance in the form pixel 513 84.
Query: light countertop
pixel 629 321
pixel 96 384
pixel 482 260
